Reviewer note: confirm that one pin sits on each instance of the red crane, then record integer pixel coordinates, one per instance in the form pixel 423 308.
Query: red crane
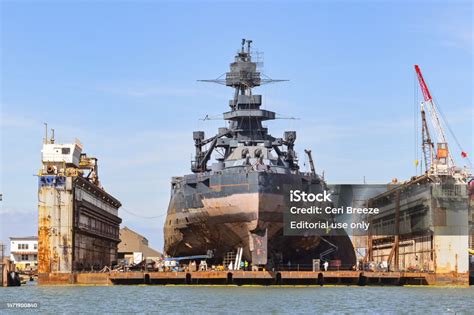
pixel 441 162
pixel 424 87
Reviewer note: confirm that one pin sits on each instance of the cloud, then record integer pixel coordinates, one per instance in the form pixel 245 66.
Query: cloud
pixel 331 131
pixel 451 28
pixel 16 210
pixel 16 121
pixel 17 222
pixel 459 116
pixel 455 30
pixel 457 36
pixel 145 91
pixel 154 89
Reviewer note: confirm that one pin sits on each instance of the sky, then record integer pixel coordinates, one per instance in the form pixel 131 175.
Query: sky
pixel 122 77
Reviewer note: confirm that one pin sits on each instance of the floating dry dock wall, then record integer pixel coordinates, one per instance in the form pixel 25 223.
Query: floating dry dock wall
pixel 471 231
pixel 423 225
pixel 78 220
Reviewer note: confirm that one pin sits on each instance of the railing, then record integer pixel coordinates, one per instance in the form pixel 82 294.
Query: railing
pixel 88 228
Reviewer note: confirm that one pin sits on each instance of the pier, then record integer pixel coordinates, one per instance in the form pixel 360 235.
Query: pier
pixel 266 278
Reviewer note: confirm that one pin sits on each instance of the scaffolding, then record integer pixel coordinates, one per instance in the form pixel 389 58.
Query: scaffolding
pixel 414 253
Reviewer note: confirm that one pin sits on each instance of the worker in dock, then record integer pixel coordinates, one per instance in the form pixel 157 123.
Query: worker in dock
pixel 326 265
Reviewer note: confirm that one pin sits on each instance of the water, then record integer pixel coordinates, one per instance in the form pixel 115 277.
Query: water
pixel 248 300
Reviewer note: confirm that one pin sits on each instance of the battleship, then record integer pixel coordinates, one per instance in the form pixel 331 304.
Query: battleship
pixel 238 202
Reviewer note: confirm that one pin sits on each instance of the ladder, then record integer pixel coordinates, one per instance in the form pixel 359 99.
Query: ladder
pixel 238 258
pixel 327 251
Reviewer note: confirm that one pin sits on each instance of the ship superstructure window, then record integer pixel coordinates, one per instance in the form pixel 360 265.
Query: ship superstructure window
pixel 24 257
pixel 66 150
pixel 35 246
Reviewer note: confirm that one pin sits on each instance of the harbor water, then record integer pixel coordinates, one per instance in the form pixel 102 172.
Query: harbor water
pixel 232 299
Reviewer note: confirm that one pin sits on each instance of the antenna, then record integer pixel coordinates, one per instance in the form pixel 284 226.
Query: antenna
pixel 279 116
pixel 52 136
pixel 241 76
pixel 45 133
pixel 248 46
pixel 259 57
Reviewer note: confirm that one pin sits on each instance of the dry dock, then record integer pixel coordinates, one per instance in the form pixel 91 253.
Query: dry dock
pixel 78 222
pixel 360 278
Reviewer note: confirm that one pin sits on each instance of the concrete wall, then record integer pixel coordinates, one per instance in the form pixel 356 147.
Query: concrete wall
pixel 55 228
pixel 451 253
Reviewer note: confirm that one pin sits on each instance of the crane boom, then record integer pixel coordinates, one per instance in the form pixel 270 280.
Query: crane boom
pixel 431 106
pixel 427 144
pixel 424 87
pixel 443 155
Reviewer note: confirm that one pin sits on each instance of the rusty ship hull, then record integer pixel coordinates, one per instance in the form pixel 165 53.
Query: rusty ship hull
pixel 220 212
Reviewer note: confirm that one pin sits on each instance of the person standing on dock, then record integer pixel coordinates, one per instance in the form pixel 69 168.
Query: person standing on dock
pixel 326 265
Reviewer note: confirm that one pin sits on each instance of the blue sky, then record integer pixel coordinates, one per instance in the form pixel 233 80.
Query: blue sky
pixel 121 77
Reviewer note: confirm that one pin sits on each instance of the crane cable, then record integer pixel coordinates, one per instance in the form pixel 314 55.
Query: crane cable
pixel 141 216
pixel 415 125
pixel 445 121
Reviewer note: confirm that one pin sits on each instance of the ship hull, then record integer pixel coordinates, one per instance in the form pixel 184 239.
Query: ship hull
pixel 220 212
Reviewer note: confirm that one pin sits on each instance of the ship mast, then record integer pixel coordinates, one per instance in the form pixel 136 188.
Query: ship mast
pixel 245 116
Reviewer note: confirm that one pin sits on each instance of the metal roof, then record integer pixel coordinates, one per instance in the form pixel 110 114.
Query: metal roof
pixel 34 238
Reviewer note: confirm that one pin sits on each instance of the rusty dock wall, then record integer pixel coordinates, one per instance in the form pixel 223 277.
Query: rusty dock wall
pixel 471 230
pixel 423 226
pixel 78 226
pixel 360 278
